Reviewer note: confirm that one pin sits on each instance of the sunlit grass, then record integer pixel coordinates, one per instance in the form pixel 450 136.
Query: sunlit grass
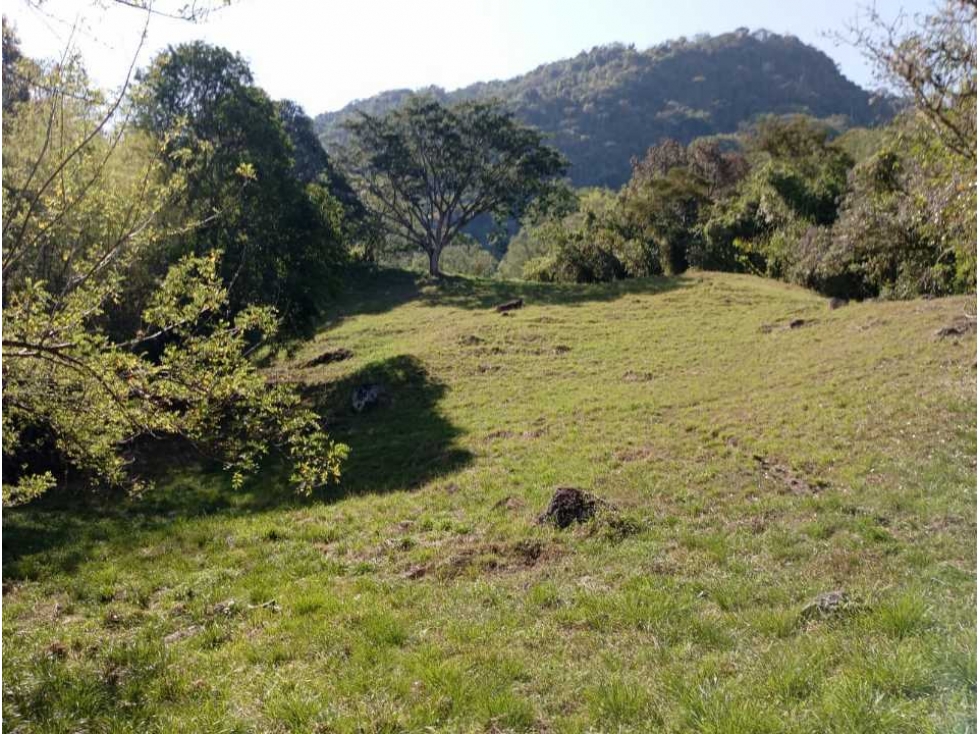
pixel 752 468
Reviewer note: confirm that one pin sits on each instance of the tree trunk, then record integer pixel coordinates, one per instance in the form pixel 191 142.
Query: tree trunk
pixel 433 262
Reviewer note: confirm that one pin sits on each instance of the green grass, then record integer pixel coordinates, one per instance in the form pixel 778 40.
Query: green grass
pixel 752 468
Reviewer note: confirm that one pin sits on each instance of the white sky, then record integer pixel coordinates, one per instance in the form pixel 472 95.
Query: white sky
pixel 325 53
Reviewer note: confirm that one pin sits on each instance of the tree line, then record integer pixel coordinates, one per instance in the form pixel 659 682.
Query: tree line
pixel 889 211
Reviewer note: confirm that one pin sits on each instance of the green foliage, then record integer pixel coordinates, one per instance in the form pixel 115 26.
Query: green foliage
pixel 102 347
pixel 258 196
pixel 907 224
pixel 428 170
pixel 468 258
pixel 586 246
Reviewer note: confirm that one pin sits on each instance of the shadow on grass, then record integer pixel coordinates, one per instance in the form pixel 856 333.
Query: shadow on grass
pixel 402 442
pixel 374 291
pixel 398 445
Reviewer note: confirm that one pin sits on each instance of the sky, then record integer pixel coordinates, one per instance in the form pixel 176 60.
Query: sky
pixel 326 53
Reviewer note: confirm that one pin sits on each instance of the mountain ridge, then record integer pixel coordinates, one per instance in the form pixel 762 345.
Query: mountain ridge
pixel 606 105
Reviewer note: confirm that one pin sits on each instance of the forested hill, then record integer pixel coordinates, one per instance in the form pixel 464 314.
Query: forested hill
pixel 605 106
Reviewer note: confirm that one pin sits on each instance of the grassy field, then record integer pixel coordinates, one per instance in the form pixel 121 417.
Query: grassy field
pixel 751 467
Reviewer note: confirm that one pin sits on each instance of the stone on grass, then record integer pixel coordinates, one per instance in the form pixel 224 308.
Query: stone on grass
pixel 367 396
pixel 329 357
pixel 827 604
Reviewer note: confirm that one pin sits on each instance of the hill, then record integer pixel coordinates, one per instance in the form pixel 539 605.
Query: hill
pixel 751 467
pixel 609 104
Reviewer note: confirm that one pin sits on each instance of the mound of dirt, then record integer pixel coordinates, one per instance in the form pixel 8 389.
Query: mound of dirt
pixel 510 305
pixel 329 357
pixel 568 506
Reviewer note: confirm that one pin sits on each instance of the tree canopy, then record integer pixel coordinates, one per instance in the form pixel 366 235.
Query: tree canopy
pixel 110 336
pixel 260 197
pixel 427 170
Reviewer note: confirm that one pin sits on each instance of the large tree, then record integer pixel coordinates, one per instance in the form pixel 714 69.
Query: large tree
pixel 254 198
pixel 427 169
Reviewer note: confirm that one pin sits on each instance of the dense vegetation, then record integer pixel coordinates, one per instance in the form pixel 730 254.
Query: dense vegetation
pixel 781 537
pixel 144 264
pixel 789 202
pixel 607 105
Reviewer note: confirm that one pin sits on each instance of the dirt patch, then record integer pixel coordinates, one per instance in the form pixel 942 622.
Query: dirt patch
pixel 486 558
pixel 827 606
pixel 633 453
pixel 510 503
pixel 329 357
pixel 500 433
pixel 792 481
pixel 631 376
pixel 791 326
pixel 415 572
pixel 960 327
pixel 562 349
pixel 182 634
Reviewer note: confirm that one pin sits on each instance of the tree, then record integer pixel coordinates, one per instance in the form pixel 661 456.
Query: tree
pixel 933 63
pixel 16 70
pixel 86 201
pixel 427 169
pixel 665 210
pixel 275 220
pixel 312 165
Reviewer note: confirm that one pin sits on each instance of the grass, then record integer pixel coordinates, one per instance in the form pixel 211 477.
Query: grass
pixel 752 468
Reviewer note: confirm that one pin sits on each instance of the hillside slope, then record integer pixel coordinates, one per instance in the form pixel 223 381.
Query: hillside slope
pixel 609 104
pixel 751 466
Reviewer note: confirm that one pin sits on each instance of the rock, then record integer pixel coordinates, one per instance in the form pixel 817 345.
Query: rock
pixel 828 604
pixel 835 303
pixel 568 506
pixel 226 608
pixel 510 305
pixel 797 323
pixel 367 396
pixel 329 356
